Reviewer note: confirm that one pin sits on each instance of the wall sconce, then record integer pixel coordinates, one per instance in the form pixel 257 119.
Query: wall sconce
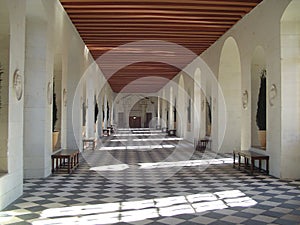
pixel 49 93
pixel 202 104
pixel 245 99
pixel 65 97
pixel 272 94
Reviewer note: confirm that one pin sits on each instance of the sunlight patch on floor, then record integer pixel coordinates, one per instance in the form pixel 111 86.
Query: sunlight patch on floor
pixel 110 213
pixel 189 163
pixel 136 147
pixel 137 134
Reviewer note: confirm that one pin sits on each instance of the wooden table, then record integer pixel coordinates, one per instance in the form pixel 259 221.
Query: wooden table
pixel 89 141
pixel 65 159
pixel 252 157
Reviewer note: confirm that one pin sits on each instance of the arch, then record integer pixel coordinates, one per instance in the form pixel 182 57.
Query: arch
pixel 4 85
pixel 230 81
pixel 258 63
pixel 290 91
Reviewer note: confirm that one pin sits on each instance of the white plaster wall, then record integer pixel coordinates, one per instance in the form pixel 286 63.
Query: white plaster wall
pixel 77 63
pixel 4 60
pixel 51 35
pixel 260 27
pixel 258 63
pixel 230 81
pixel 209 91
pixel 198 113
pixel 181 108
pixel 38 73
pixel 290 54
pixel 57 79
pixel 189 126
pixel 129 105
pixel 11 184
pixel 43 18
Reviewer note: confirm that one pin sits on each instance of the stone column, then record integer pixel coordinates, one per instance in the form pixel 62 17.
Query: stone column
pixel 171 116
pixel 158 111
pixel 197 107
pixel 112 114
pixel 90 114
pixel 105 111
pixel 163 110
pixel 99 118
pixel 38 90
pixel 143 115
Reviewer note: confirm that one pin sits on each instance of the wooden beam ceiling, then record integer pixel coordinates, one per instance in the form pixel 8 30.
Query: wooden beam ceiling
pixel 193 24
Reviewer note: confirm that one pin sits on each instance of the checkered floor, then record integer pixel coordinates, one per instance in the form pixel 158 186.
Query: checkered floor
pixel 137 180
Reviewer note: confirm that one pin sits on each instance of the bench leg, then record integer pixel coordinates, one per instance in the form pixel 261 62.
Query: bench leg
pixel 267 166
pixel 53 164
pixel 77 159
pixel 57 164
pixel 233 160
pixel 239 159
pixel 69 164
pixel 252 166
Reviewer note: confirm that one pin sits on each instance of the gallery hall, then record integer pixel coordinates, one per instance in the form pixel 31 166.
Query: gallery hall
pixel 140 112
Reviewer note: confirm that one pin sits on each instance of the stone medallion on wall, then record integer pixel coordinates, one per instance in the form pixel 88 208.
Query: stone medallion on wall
pixel 245 99
pixel 65 97
pixel 49 93
pixel 18 84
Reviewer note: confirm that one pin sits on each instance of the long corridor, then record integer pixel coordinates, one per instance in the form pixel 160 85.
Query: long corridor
pixel 144 177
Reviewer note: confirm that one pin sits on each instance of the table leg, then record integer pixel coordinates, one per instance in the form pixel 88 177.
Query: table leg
pixel 252 166
pixel 77 159
pixel 267 166
pixel 233 160
pixel 69 164
pixel 239 159
pixel 56 163
pixel 52 164
pixel 72 162
pixel 259 164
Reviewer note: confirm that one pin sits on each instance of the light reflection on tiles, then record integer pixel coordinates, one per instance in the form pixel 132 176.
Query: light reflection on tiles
pixel 190 163
pixel 140 147
pixel 148 139
pixel 110 213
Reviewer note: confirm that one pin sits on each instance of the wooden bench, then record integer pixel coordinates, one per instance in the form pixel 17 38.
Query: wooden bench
pixel 202 144
pixel 88 142
pixel 250 156
pixel 106 132
pixel 65 159
pixel 164 129
pixel 111 129
pixel 172 132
